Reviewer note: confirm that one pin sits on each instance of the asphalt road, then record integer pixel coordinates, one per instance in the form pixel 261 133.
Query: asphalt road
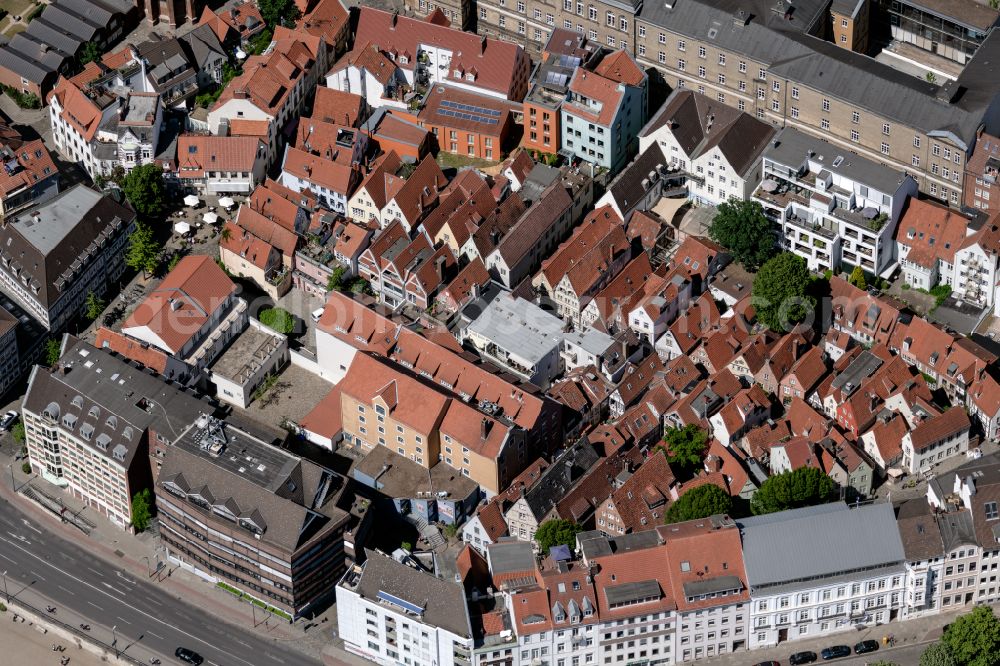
pixel 76 582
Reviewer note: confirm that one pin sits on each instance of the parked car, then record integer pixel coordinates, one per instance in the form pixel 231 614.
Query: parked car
pixel 769 663
pixel 317 314
pixel 802 658
pixel 189 656
pixel 8 420
pixel 865 647
pixel 835 652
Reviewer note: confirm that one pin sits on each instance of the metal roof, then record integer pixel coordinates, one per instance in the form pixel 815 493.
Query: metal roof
pixel 791 548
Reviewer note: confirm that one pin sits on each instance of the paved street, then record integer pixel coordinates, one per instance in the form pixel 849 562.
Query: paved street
pixel 77 583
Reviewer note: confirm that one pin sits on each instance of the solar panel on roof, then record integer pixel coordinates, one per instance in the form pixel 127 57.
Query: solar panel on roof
pixel 402 603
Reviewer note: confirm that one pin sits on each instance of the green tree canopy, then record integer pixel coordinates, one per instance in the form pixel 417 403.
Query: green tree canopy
pixel 555 532
pixel 91 52
pixel 94 305
pixel 18 432
pixel 278 12
pixel 743 229
pixel 144 189
pixel 53 350
pixel 780 292
pixel 685 447
pixel 143 252
pixel 336 281
pixel 699 502
pixel 280 320
pixel 937 654
pixel 974 638
pixel 858 278
pixel 142 510
pixel 804 486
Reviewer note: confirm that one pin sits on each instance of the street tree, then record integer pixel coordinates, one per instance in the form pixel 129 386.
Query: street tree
pixel 780 293
pixel 94 305
pixel 699 502
pixel 91 52
pixel 685 447
pixel 937 654
pixel 143 252
pixel 142 510
pixel 974 638
pixel 804 486
pixel 556 532
pixel 144 189
pixel 743 229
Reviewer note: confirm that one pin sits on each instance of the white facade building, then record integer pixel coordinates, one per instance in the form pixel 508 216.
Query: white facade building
pixel 832 206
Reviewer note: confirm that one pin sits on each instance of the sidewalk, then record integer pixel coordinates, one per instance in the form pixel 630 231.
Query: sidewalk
pixel 140 555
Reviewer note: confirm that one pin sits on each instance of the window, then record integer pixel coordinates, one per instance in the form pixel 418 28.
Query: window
pixel 722 59
pixel 722 79
pixel 916 142
pixel 915 160
pixel 824 123
pixel 795 112
pixel 991 511
pixel 642 31
pixel 855 116
pixel 520 6
pixel 776 86
pixel 795 92
pixel 742 85
pixel 843 22
pixel 885 148
pixel 701 52
pixel 662 57
pixel 760 93
pixel 681 65
pixel 610 19
pixel 826 105
pixel 642 49
pixel 592 13
pixel 611 41
pixel 762 74
pixel 775 106
pixel 855 136
pixel 701 72
pixel 623 24
pixel 743 67
pixel 885 129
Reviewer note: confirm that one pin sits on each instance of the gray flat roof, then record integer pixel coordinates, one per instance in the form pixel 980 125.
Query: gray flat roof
pixel 793 148
pixel 590 340
pixel 242 358
pixel 441 603
pixel 860 369
pixel 519 327
pixel 632 592
pixel 396 476
pixel 45 226
pixel 796 548
pixel 510 556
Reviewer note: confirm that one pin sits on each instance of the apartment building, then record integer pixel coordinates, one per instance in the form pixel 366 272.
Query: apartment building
pixel 273 529
pixel 981 188
pixel 91 420
pixel 611 23
pixel 936 439
pixel 833 207
pixel 429 53
pixel 518 336
pixel 59 251
pixel 389 611
pixel 716 147
pixel 604 111
pixel 779 70
pixel 192 315
pixel 851 24
pixel 30 176
pixel 563 53
pixel 823 589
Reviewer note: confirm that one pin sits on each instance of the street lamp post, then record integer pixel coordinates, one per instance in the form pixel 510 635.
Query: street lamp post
pixel 114 639
pixel 5 592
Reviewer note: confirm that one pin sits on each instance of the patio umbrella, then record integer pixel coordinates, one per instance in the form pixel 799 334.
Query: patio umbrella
pixel 191 200
pixel 182 227
pixel 769 185
pixel 210 218
pixel 870 213
pixel 226 203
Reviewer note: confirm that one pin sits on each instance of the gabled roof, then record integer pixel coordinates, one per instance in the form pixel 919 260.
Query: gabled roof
pixel 188 298
pixel 335 106
pixel 641 502
pixel 935 429
pixel 931 231
pixel 607 93
pixel 622 68
pixel 197 154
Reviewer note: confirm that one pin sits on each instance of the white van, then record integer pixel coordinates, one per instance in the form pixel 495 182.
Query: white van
pixel 316 314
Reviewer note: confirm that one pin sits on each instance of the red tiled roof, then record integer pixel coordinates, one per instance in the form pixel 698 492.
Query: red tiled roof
pixel 472 276
pixel 497 65
pixel 321 170
pixel 931 231
pixel 619 66
pixel 36 165
pixel 933 430
pixel 186 300
pixel 381 182
pixel 77 109
pixel 368 58
pixel 641 502
pixel 197 154
pixel 142 353
pixel 328 19
pixel 269 231
pixel 335 106
pixel 325 417
pixel 708 552
pixel 595 87
pixel 244 127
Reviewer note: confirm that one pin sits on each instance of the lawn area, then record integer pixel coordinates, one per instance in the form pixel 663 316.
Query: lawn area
pixel 448 160
pixel 22 8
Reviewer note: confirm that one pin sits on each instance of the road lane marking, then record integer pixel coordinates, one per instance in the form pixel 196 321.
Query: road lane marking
pixel 30 526
pixel 95 605
pixel 124 603
pixel 154 601
pixel 153 633
pixel 7 558
pixel 64 589
pixel 37 575
pixel 271 656
pixel 113 589
pixel 96 572
pixel 124 620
